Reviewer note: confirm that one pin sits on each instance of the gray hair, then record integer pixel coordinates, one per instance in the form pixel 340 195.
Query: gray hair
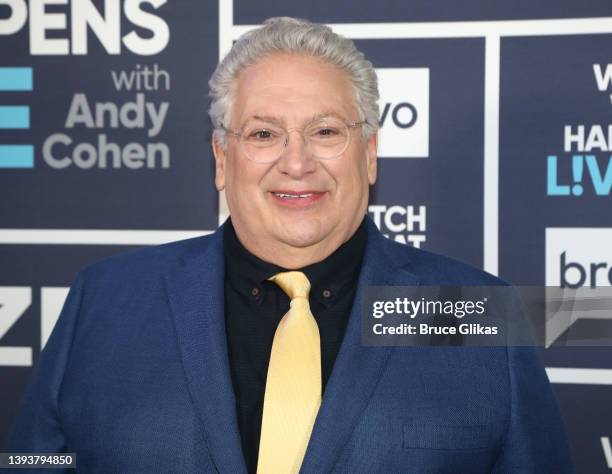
pixel 291 35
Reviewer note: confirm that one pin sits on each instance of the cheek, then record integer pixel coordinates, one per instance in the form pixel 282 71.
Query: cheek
pixel 245 181
pixel 236 185
pixel 351 177
pixel 237 175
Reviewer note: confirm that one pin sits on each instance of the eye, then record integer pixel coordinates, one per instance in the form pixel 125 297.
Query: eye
pixel 261 135
pixel 323 133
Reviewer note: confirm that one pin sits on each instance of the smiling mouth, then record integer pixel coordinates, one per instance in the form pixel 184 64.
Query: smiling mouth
pixel 298 199
pixel 293 196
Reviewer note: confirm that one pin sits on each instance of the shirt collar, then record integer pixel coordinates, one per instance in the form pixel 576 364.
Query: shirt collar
pixel 248 273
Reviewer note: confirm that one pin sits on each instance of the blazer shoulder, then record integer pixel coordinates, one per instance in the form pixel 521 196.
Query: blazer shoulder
pixel 435 269
pixel 148 261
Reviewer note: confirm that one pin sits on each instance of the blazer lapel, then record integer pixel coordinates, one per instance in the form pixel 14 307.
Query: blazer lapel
pixel 357 368
pixel 196 295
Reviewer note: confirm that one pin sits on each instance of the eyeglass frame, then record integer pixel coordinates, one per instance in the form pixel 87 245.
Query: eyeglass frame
pixel 349 125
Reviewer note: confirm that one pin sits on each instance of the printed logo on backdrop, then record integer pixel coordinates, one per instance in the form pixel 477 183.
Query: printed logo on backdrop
pixel 578 260
pixel 585 166
pixel 406 224
pixel 14 302
pixel 606 445
pixel 83 16
pixel 66 30
pixel 404 112
pixel 578 257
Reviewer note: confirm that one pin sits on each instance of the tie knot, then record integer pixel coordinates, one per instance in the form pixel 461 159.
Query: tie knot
pixel 295 284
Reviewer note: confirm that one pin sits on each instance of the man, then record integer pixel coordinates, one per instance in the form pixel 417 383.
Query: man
pixel 241 351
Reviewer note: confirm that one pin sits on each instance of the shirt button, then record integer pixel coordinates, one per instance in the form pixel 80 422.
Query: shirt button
pixel 326 293
pixel 255 292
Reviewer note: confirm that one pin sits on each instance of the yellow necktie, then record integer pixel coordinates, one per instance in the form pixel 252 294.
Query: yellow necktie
pixel 293 384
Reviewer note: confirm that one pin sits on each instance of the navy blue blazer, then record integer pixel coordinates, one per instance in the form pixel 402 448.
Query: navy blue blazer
pixel 135 378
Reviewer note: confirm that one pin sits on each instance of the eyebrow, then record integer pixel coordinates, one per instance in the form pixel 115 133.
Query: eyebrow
pixel 280 121
pixel 265 118
pixel 328 113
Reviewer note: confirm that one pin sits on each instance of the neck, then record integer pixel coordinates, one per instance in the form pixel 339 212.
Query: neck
pixel 289 257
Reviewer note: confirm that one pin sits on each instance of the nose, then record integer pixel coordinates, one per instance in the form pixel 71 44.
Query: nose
pixel 296 160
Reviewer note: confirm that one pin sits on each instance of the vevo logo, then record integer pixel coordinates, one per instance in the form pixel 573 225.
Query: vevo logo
pixel 404 119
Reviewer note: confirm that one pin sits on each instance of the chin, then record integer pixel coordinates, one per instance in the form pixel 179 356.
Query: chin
pixel 301 235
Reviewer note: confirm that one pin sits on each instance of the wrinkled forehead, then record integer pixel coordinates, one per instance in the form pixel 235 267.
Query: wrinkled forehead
pixel 292 90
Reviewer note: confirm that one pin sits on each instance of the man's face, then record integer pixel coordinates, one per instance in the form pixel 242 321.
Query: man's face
pixel 293 232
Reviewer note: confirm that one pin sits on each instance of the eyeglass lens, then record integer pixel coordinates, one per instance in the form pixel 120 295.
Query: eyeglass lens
pixel 263 142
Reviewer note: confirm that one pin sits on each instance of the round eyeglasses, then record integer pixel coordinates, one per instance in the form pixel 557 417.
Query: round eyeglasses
pixel 264 142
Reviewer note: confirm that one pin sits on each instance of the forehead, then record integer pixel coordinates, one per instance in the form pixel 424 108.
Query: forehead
pixel 292 88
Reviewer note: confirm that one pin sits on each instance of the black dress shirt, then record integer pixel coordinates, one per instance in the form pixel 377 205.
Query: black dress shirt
pixel 254 306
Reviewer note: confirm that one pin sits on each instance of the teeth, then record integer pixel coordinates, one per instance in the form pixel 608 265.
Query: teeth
pixel 293 196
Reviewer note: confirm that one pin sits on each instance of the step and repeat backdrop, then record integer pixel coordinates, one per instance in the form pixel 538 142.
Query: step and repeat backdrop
pixel 495 148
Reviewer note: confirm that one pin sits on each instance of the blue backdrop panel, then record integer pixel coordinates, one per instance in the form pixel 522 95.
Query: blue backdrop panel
pixel 546 84
pixel 454 167
pixel 248 13
pixel 179 196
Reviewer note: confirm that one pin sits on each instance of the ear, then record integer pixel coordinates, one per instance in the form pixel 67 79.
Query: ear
pixel 372 156
pixel 219 163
